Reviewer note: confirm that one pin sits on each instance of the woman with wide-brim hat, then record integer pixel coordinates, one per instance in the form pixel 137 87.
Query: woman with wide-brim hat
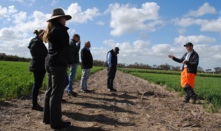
pixel 56 66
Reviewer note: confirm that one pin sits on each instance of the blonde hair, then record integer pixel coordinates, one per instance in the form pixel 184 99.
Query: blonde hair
pixel 48 29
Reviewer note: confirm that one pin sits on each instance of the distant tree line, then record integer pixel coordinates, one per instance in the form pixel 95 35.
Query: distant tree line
pixel 166 66
pixel 5 57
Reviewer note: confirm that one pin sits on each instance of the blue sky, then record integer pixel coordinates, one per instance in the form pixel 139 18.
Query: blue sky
pixel 145 31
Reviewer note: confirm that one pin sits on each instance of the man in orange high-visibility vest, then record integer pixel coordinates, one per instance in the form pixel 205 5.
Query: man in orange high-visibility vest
pixel 190 61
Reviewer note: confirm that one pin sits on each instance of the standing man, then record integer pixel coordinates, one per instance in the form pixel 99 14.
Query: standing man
pixel 87 64
pixel 190 61
pixel 112 67
pixel 75 47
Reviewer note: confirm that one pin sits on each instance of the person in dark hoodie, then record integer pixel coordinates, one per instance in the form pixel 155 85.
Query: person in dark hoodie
pixel 59 57
pixel 75 45
pixel 38 52
pixel 190 61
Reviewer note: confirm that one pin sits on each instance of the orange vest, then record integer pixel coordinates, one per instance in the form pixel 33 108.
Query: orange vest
pixel 187 78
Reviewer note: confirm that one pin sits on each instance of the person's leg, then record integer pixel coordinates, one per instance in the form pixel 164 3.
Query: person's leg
pixel 193 95
pixel 188 94
pixel 108 78
pixel 58 84
pixel 47 115
pixel 83 79
pixel 87 74
pixel 39 77
pixel 113 76
pixel 71 77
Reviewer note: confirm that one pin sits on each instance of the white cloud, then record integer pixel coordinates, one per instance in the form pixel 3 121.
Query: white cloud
pixel 205 25
pixel 20 17
pixel 125 18
pixel 80 16
pixel 9 34
pixel 185 22
pixel 213 26
pixel 6 12
pixel 100 23
pixel 194 39
pixel 37 20
pixel 160 49
pixel 204 9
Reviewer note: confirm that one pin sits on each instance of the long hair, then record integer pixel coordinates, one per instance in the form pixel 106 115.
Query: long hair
pixel 50 25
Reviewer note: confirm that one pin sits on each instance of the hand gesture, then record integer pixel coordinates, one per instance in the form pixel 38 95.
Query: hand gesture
pixel 170 56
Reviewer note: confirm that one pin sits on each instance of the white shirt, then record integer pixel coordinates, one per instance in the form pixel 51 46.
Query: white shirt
pixel 187 57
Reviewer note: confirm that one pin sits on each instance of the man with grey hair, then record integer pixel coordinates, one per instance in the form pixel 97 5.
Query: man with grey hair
pixel 86 64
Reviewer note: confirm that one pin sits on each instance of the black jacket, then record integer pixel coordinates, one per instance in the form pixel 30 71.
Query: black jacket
pixel 191 64
pixel 86 58
pixel 59 53
pixel 75 51
pixel 38 52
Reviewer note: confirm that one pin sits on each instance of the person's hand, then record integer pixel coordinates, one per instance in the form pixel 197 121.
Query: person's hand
pixel 170 56
pixel 184 62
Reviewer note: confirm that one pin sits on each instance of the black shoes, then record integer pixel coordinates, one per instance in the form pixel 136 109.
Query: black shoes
pixel 74 94
pixel 61 125
pixel 112 90
pixel 37 107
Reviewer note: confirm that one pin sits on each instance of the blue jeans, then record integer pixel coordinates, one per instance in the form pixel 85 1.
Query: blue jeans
pixel 84 78
pixel 71 77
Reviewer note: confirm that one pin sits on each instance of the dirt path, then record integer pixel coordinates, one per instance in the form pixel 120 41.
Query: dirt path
pixel 138 105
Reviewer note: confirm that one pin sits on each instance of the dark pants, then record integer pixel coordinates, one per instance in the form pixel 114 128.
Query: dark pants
pixel 110 77
pixel 189 93
pixel 38 79
pixel 56 85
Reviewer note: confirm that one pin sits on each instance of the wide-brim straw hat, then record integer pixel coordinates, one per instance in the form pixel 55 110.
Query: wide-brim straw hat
pixel 58 12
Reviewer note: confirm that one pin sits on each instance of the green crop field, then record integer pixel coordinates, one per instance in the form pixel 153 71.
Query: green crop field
pixel 16 80
pixel 207 86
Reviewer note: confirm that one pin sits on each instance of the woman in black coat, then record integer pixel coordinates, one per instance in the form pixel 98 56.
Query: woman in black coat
pixel 59 57
pixel 38 52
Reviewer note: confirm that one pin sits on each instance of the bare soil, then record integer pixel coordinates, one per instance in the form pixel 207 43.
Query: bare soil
pixel 137 106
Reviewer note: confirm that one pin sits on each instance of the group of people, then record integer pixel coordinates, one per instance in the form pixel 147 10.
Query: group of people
pixel 61 54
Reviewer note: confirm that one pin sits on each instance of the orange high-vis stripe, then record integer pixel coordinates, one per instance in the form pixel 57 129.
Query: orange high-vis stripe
pixel 187 78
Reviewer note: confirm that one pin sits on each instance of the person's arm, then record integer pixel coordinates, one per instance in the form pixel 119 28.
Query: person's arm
pixel 109 59
pixel 177 59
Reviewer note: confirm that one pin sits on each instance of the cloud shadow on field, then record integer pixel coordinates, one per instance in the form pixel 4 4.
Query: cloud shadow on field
pixel 5 104
pixel 75 128
pixel 110 100
pixel 96 118
pixel 105 107
pixel 154 94
pixel 123 95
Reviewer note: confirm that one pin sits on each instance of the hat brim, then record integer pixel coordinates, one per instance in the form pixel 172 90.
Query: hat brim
pixel 187 45
pixel 68 17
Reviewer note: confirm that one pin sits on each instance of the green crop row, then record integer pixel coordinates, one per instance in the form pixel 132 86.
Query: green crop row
pixel 16 80
pixel 208 88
